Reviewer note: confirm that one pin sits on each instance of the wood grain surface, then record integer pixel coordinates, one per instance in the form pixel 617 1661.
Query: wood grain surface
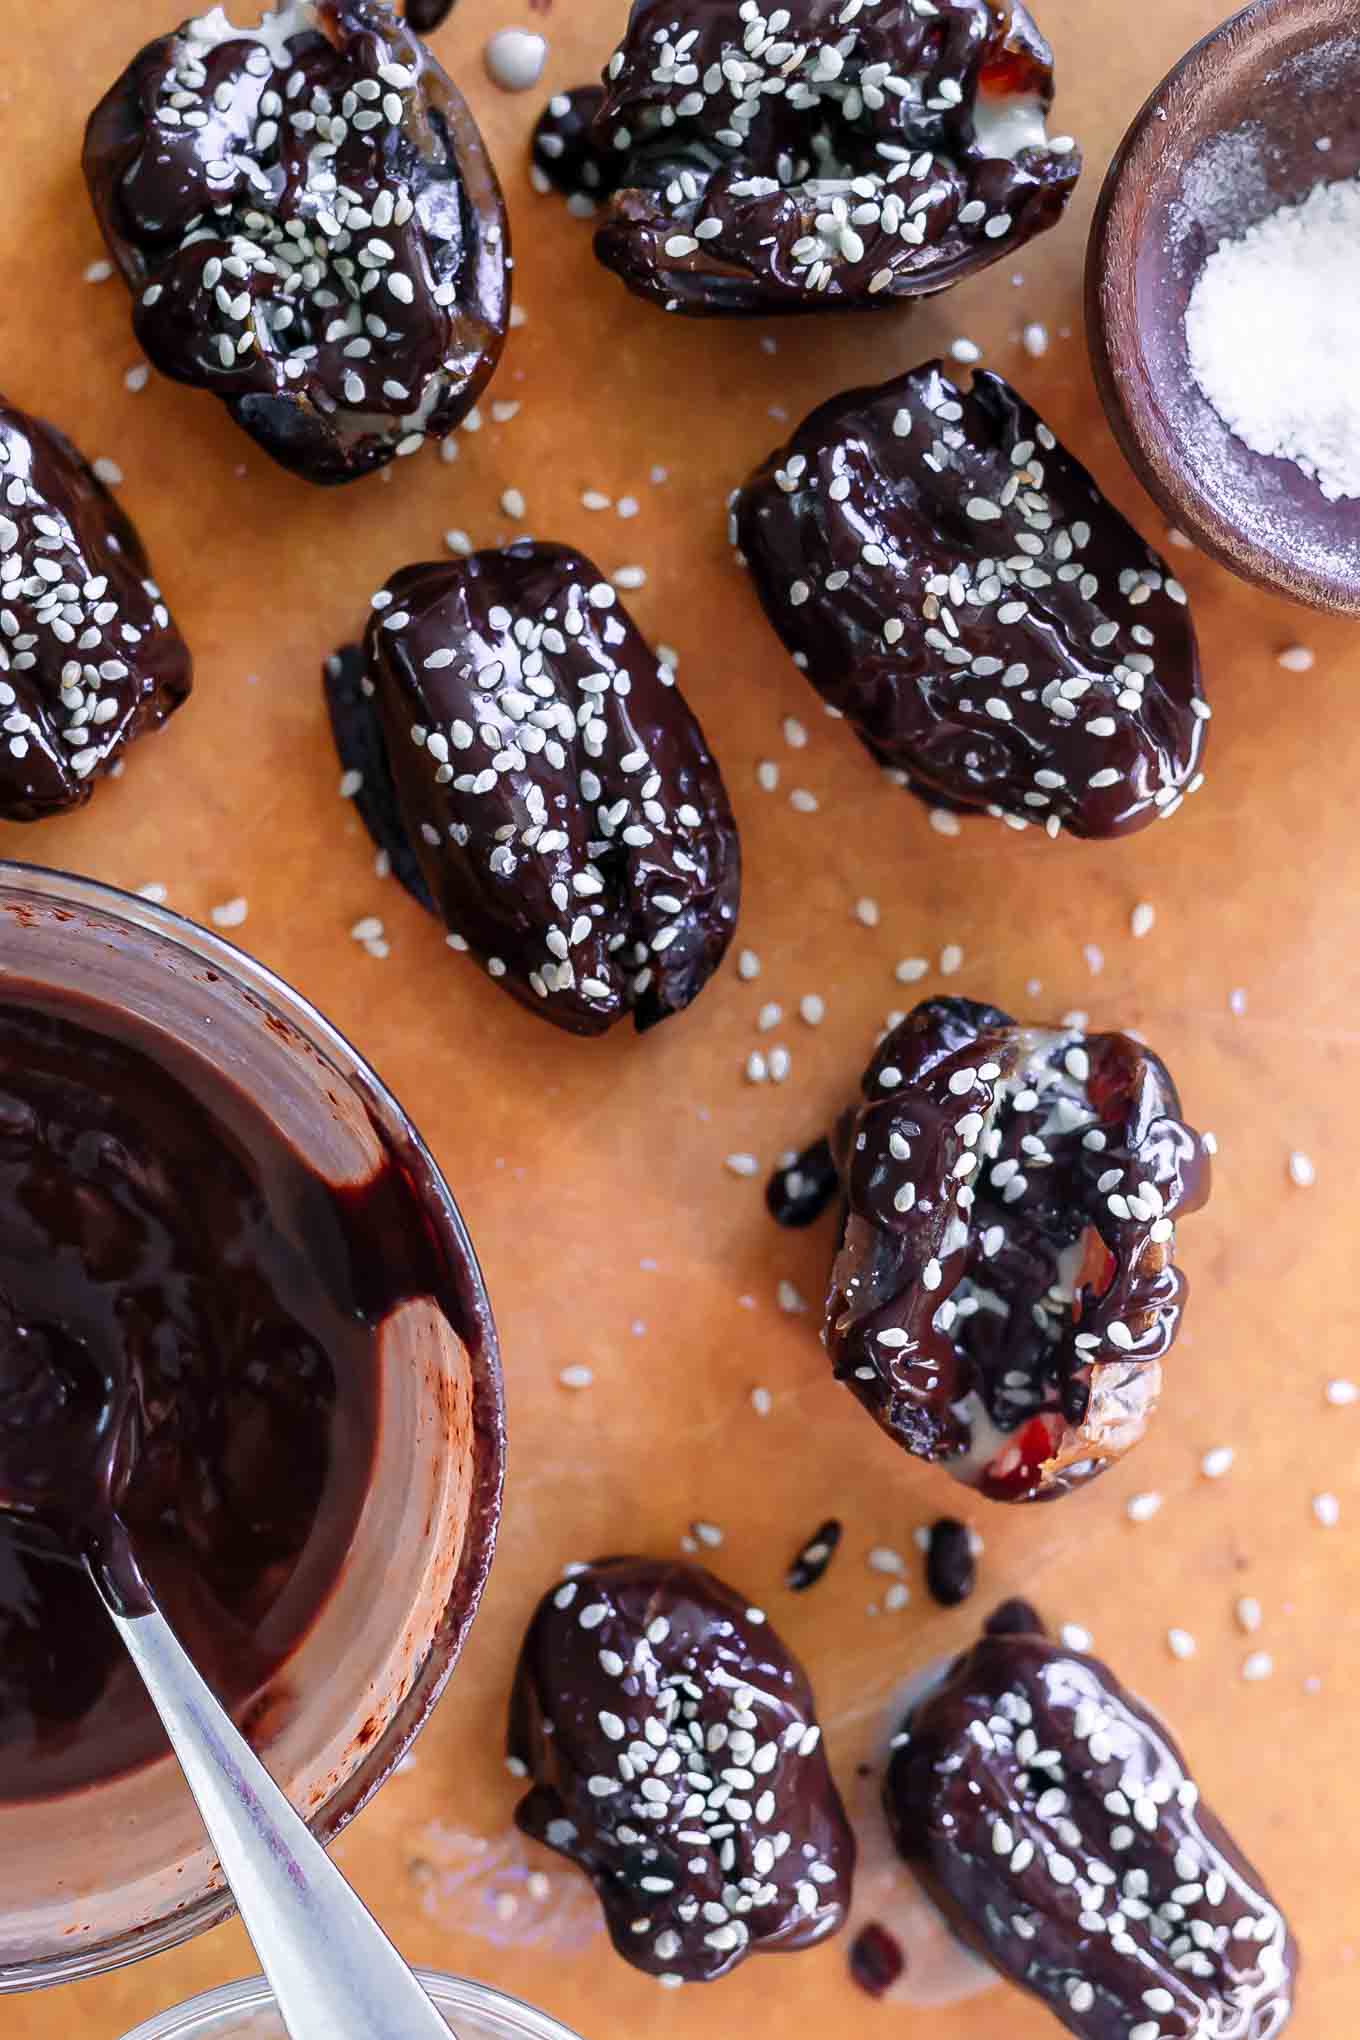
pixel 592 1174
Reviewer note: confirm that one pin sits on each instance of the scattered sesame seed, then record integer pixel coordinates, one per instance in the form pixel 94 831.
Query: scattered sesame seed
pixel 1180 1643
pixel 806 803
pixel 965 350
pixel 883 1559
pixel 1341 1393
pixel 98 272
pixel 812 1009
pixel 1217 1462
pixel 1142 920
pixel 742 1165
pixel 1034 340
pixel 795 733
pixel 512 502
pixel 769 1016
pixel 767 775
pixel 576 1377
pixel 762 1402
pixel 1075 1637
pixel 136 379
pixel 1259 1665
pixel 707 1533
pixel 629 577
pixel 748 965
pixel 910 969
pixel 1296 659
pixel 1237 1001
pixel 108 472
pixel 157 894
pixel 1141 1508
pixel 1301 1170
pixel 231 913
pixel 504 410
pixel 951 959
pixel 945 823
pixel 1327 1510
pixel 351 782
pixel 1248 1613
pixel 866 912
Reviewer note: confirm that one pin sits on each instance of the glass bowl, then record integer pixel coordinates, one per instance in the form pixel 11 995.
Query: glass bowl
pixel 245 2011
pixel 123 1869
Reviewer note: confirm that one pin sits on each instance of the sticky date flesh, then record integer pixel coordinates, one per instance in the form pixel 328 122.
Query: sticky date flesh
pixel 672 1743
pixel 1052 1817
pixel 827 162
pixel 311 227
pixel 997 635
pixel 1005 1291
pixel 554 792
pixel 89 657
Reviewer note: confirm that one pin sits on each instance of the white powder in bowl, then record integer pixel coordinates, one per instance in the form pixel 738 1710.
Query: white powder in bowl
pixel 1273 333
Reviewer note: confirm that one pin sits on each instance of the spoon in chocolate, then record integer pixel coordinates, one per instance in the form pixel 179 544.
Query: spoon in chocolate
pixel 68 1430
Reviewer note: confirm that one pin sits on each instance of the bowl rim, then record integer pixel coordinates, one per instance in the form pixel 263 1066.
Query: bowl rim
pixel 1117 356
pixel 258 981
pixel 190 2020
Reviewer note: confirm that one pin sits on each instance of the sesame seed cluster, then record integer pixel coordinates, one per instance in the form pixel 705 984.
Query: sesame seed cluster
pixel 1047 1807
pixel 569 821
pixel 826 154
pixel 1005 1290
pixel 997 634
pixel 676 1757
pixel 89 657
pixel 311 227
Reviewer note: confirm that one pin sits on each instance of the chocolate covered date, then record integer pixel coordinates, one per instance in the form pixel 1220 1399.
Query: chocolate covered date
pixel 1053 1818
pixel 952 581
pixel 311 228
pixel 1005 1291
pixel 674 1754
pixel 554 788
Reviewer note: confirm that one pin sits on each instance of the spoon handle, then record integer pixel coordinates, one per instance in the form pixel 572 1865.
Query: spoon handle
pixel 335 1974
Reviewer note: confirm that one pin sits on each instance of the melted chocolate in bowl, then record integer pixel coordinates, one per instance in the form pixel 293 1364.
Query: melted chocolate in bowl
pixel 238 1303
pixel 188 1320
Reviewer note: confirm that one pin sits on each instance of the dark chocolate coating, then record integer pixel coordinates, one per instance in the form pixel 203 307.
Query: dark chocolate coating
pixel 994 631
pixel 1015 1617
pixel 1050 1814
pixel 311 227
pixel 1005 1290
pixel 190 1352
pixel 675 1756
pixel 89 657
pixel 359 746
pixel 877 1959
pixel 424 16
pixel 951 1569
pixel 797 1196
pixel 844 159
pixel 567 150
pixel 568 818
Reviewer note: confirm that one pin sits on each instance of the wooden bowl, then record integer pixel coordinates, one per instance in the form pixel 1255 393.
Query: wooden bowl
pixel 1230 134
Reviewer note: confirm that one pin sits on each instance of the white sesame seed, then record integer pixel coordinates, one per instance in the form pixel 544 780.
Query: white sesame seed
pixel 748 965
pixel 762 1402
pixel 157 894
pixel 1180 1643
pixel 1141 1508
pixel 965 350
pixel 1075 1637
pixel 951 959
pixel 1341 1393
pixel 812 1009
pixel 742 1165
pixel 945 822
pixel 1248 1613
pixel 910 969
pixel 767 775
pixel 1301 1170
pixel 1217 1462
pixel 866 912
pixel 795 734
pixel 769 1016
pixel 883 1559
pixel 806 803
pixel 1142 919
pixel 108 472
pixel 629 577
pixel 790 1299
pixel 1034 340
pixel 231 913
pixel 1296 659
pixel 576 1377
pixel 512 503
pixel 1259 1665
pixel 1327 1510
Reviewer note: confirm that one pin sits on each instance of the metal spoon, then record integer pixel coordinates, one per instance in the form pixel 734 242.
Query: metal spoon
pixel 335 1974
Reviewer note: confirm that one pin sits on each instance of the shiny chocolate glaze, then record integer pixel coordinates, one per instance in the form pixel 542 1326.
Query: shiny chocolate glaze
pixel 995 632
pixel 1005 1292
pixel 569 821
pixel 311 227
pixel 89 657
pixel 1051 1815
pixel 797 1195
pixel 675 1756
pixel 567 150
pixel 819 159
pixel 189 1354
pixel 424 16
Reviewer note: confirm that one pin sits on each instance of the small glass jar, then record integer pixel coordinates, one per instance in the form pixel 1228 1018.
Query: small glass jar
pixel 245 2011
pixel 123 1868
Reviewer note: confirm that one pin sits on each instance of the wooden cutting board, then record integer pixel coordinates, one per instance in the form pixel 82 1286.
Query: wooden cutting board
pixel 592 1174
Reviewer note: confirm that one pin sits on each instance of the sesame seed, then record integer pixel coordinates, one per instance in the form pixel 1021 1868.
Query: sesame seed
pixel 1075 1637
pixel 910 969
pixel 806 803
pixel 1342 1393
pixel 965 350
pixel 789 1298
pixel 1301 1170
pixel 1258 1666
pixel 1327 1510
pixel 1180 1643
pixel 795 734
pixel 512 503
pixel 883 1559
pixel 230 914
pixel 812 1009
pixel 951 959
pixel 762 1402
pixel 742 1165
pixel 1296 659
pixel 1217 1462
pixel 1248 1613
pixel 748 965
pixel 866 912
pixel 1142 920
pixel 1034 340
pixel 576 1377
pixel 108 472
pixel 1142 1508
